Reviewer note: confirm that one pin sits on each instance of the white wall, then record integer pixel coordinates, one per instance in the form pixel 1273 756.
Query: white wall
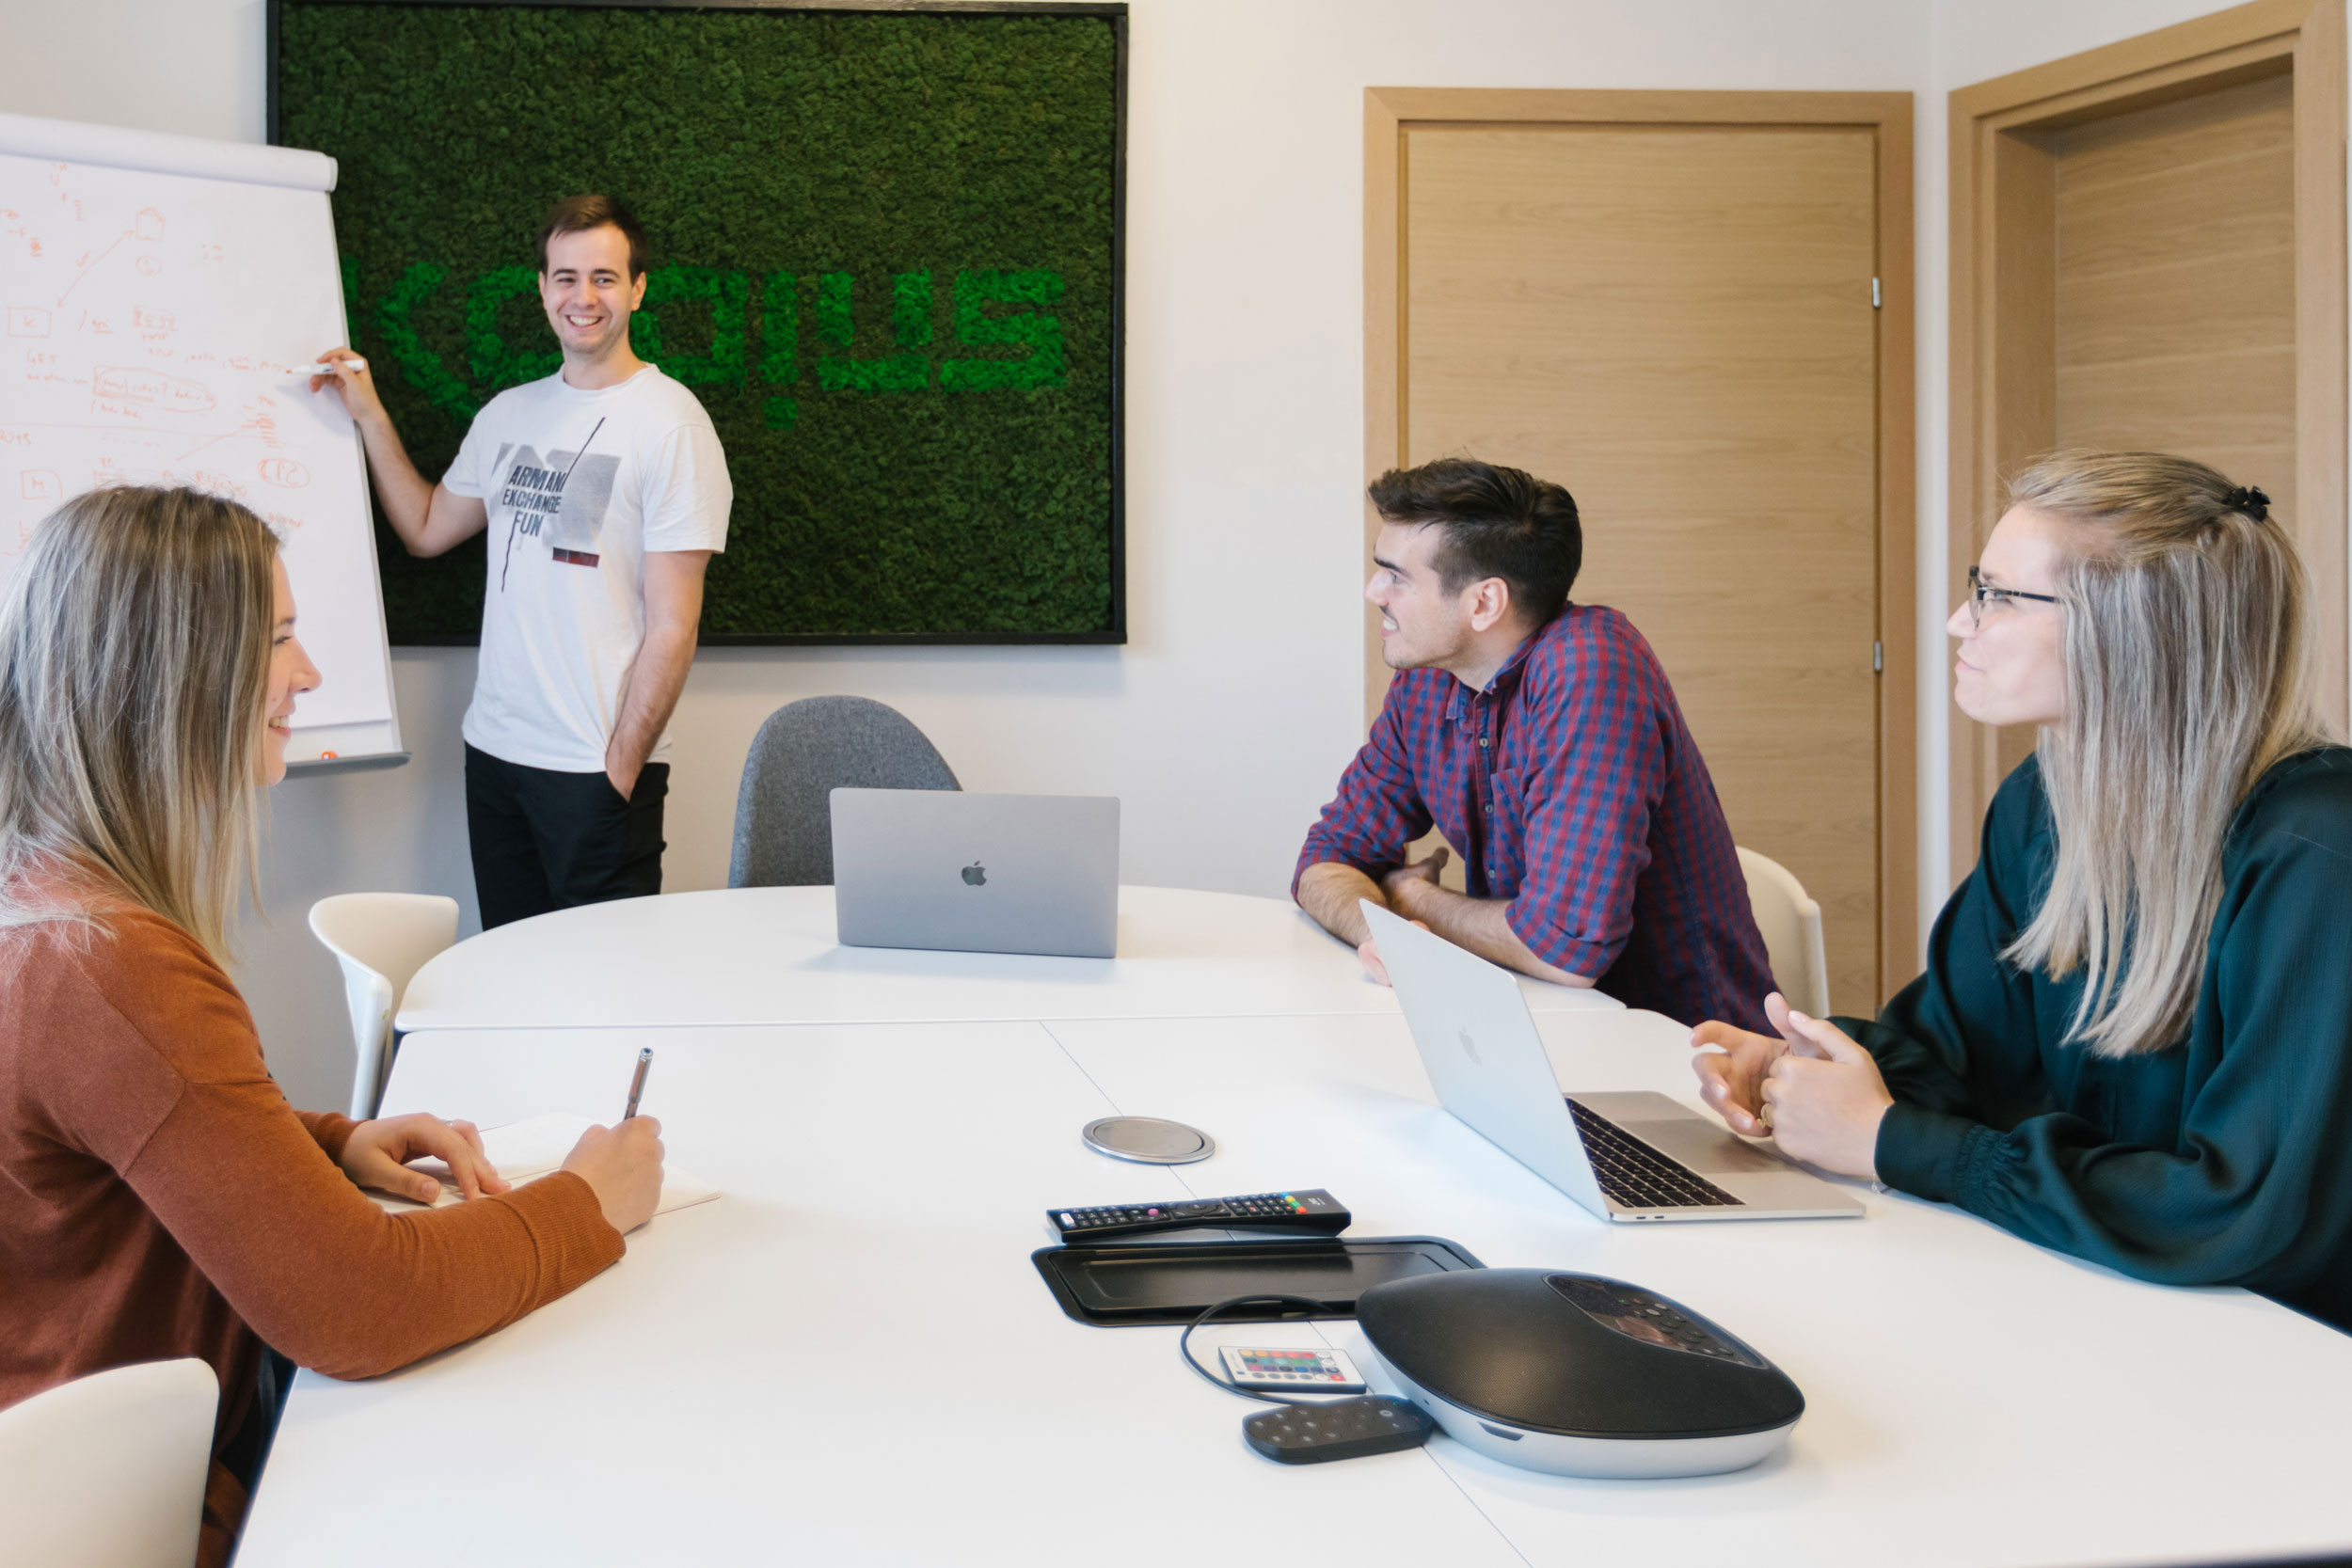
pixel 1223 723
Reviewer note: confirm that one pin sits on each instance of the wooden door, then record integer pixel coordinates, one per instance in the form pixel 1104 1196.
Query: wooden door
pixel 1677 322
pixel 2173 298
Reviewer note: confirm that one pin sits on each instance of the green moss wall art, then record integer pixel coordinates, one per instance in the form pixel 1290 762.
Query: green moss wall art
pixel 885 255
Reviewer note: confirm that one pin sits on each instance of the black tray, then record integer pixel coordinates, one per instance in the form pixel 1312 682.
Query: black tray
pixel 1174 1282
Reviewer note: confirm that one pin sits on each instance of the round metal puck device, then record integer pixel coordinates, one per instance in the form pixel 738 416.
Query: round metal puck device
pixel 1147 1140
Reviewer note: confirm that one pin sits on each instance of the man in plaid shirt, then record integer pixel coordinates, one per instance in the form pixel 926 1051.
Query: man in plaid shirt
pixel 1542 739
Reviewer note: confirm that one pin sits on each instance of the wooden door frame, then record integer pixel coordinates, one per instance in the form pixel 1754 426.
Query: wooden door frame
pixel 2004 285
pixel 1389 112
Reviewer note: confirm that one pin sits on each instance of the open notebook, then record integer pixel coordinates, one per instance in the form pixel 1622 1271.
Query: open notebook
pixel 526 1150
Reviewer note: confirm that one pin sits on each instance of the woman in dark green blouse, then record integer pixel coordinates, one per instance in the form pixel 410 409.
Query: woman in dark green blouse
pixel 2132 1041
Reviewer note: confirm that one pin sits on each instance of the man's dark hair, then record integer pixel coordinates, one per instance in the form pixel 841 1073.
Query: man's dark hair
pixel 575 214
pixel 1496 522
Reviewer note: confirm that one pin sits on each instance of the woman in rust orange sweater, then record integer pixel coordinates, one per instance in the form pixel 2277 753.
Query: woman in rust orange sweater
pixel 158 1196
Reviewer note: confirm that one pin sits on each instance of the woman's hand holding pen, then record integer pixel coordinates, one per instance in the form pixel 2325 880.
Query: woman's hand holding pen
pixel 623 1165
pixel 1814 1091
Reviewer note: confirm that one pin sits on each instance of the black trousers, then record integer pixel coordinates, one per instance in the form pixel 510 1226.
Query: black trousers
pixel 248 1450
pixel 544 840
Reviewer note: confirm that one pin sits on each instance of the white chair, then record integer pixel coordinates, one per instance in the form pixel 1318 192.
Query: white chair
pixel 107 1471
pixel 1791 924
pixel 382 940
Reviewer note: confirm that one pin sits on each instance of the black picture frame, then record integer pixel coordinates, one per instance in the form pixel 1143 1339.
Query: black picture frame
pixel 1112 11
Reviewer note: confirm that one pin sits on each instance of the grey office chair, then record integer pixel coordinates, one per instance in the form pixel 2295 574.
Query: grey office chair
pixel 806 749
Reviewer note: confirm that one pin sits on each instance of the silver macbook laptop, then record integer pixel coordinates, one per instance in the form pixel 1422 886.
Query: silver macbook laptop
pixel 946 868
pixel 1623 1156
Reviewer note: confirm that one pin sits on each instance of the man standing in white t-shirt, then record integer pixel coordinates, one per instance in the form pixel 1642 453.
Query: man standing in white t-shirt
pixel 606 496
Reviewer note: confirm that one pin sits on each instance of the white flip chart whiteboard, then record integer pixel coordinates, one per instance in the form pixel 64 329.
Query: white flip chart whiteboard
pixel 162 296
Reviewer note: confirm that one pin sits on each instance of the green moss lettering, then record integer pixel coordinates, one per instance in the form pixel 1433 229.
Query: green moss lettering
pixel 727 293
pixel 909 371
pixel 1042 366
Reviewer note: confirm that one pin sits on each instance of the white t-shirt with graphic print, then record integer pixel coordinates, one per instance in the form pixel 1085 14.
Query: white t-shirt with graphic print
pixel 579 486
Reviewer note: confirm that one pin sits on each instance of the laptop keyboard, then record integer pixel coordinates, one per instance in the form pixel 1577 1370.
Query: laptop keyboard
pixel 1637 1176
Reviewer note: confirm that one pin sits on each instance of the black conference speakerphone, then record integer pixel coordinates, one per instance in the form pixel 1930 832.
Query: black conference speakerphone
pixel 1647 1316
pixel 1312 1212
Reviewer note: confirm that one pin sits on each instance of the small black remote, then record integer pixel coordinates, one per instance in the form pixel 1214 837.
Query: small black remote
pixel 1313 1213
pixel 1339 1428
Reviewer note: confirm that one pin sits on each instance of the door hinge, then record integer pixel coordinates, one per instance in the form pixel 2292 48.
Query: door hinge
pixel 1878 658
pixel 1874 293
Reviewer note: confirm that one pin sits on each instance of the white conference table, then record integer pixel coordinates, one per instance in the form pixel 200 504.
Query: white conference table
pixel 770 956
pixel 849 1359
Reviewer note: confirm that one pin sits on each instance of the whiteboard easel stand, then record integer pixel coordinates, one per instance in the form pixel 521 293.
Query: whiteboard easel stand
pixel 373 746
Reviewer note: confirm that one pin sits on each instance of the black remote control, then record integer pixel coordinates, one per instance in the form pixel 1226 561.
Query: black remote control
pixel 1338 1429
pixel 1313 1213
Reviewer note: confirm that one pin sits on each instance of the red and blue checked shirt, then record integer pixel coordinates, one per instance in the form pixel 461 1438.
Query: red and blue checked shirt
pixel 1571 787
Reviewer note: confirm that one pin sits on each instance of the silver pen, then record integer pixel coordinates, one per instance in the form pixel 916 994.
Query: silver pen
pixel 637 1084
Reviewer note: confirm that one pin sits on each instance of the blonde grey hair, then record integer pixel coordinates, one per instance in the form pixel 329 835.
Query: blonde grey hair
pixel 2186 679
pixel 134 654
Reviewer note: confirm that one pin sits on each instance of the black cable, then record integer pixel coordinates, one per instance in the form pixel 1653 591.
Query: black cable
pixel 1184 1344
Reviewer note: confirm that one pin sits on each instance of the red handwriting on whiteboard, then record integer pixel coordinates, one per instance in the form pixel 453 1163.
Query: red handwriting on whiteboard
pixel 147 227
pixel 136 383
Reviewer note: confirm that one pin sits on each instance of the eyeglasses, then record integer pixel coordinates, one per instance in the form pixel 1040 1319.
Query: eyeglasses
pixel 1983 596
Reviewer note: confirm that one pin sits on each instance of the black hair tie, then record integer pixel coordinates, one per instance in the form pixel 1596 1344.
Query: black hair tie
pixel 2249 499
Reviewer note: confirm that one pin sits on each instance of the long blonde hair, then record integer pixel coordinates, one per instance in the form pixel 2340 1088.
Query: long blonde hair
pixel 2186 679
pixel 134 654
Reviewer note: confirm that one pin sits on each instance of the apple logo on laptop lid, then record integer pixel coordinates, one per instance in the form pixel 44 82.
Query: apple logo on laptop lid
pixel 976 875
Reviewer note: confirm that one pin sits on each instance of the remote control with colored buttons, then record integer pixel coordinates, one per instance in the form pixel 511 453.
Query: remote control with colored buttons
pixel 1312 1212
pixel 1289 1369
